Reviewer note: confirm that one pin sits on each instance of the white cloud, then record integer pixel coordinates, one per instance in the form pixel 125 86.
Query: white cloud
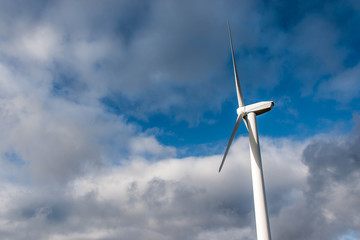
pixel 40 43
pixel 148 147
pixel 167 199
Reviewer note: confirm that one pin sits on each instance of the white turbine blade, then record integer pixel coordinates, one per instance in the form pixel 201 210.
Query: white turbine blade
pixel 237 124
pixel 237 82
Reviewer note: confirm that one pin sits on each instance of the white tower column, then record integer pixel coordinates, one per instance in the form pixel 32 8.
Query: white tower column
pixel 261 215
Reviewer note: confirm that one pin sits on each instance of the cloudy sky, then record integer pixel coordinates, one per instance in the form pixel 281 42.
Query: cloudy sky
pixel 114 116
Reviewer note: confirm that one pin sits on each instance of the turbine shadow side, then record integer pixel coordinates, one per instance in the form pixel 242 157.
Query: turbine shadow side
pixel 254 142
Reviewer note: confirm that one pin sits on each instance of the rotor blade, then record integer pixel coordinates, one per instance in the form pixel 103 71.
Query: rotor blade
pixel 237 82
pixel 238 121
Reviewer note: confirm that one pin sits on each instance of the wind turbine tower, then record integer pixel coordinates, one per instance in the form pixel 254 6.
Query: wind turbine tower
pixel 249 113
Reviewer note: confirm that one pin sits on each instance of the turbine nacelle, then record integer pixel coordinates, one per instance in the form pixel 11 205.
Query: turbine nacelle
pixel 257 108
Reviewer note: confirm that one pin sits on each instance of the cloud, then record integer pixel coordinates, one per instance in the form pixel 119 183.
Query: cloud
pixel 149 146
pixel 54 139
pixel 138 54
pixel 330 197
pixel 167 199
pixel 41 44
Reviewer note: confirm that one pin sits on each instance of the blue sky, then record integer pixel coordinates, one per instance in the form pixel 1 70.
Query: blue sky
pixel 115 116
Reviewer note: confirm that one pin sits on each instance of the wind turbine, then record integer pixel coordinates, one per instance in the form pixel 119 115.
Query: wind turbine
pixel 249 113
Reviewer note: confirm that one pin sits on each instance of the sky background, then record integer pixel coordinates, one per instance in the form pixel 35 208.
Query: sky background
pixel 115 115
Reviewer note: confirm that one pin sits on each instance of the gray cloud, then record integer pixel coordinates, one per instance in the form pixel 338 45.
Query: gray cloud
pixel 134 53
pixel 327 208
pixel 140 54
